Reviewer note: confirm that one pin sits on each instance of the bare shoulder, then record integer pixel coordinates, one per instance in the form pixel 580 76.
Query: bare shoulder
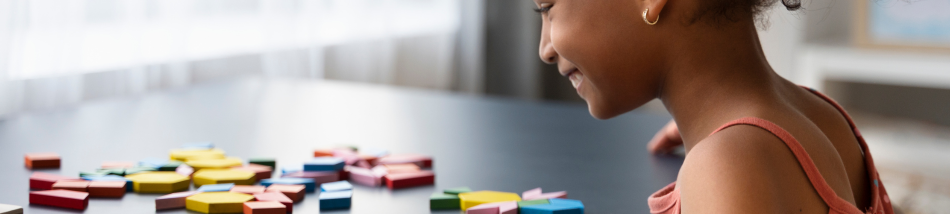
pixel 741 169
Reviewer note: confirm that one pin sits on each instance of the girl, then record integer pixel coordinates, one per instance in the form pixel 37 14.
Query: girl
pixel 755 142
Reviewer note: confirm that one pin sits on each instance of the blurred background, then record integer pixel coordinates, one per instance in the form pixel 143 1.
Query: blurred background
pixel 886 61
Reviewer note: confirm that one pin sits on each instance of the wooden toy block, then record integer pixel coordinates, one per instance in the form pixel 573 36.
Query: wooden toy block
pixel 291 169
pixel 184 155
pixel 216 187
pixel 247 189
pixel 170 166
pixel 294 192
pixel 119 172
pixel 532 202
pixel 365 176
pixel 401 168
pixel 335 200
pixel 324 164
pixel 45 181
pixel 421 160
pixel 74 185
pixel 457 190
pixel 223 176
pixel 369 159
pixel 264 207
pixel 217 202
pixel 323 153
pixel 107 189
pixel 60 198
pixel 272 163
pixel 223 163
pixel 410 179
pixel 442 201
pixel 138 169
pixel 349 156
pixel 10 209
pixel 153 162
pixel 260 171
pixel 336 186
pixel 185 170
pixel 173 201
pixel 343 174
pixel 509 207
pixel 276 197
pixel 129 186
pixel 471 199
pixel 158 182
pixel 375 152
pixel 318 177
pixel 555 205
pixel 91 174
pixel 310 185
pixel 536 193
pixel 41 160
pixel 198 146
pixel 531 193
pixel 117 165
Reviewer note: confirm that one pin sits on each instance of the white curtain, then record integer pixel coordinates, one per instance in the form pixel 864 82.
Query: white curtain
pixel 60 52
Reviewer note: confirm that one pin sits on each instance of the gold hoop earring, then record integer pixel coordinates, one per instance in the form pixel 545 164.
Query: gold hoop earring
pixel 645 17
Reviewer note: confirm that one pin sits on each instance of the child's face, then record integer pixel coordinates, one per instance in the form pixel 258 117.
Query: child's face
pixel 611 56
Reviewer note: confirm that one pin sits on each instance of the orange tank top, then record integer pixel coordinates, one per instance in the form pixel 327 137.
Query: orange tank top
pixel 667 200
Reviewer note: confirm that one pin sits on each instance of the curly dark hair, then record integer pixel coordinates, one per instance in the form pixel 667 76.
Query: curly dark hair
pixel 734 10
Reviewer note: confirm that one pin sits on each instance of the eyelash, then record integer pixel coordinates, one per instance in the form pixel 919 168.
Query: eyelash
pixel 543 9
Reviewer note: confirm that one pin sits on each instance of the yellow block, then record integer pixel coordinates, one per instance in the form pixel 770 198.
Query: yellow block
pixel 471 199
pixel 189 154
pixel 217 202
pixel 223 176
pixel 158 182
pixel 224 163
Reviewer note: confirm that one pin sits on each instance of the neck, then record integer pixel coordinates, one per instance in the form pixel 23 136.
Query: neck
pixel 717 77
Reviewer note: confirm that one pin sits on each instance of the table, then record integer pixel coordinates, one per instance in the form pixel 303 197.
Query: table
pixel 481 142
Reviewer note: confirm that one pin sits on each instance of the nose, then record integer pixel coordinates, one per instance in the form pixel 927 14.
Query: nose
pixel 546 48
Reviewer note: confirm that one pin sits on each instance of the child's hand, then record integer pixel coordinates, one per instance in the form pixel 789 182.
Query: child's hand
pixel 666 140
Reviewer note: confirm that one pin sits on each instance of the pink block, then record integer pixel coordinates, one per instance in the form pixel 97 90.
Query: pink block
pixel 550 195
pixel 365 176
pixel 531 193
pixel 172 201
pixel 318 177
pixel 348 155
pixel 185 170
pixel 508 207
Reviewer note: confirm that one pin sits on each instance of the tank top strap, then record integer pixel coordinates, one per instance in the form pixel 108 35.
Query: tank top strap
pixel 828 195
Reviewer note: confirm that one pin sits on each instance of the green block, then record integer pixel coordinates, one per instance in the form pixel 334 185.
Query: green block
pixel 532 202
pixel 170 166
pixel 442 201
pixel 92 174
pixel 138 169
pixel 457 190
pixel 264 161
pixel 119 172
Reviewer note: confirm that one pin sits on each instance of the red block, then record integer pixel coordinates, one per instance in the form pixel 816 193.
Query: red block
pixel 107 189
pixel 60 198
pixel 410 179
pixel 278 197
pixel 260 171
pixel 401 168
pixel 421 160
pixel 45 181
pixel 318 177
pixel 41 160
pixel 343 175
pixel 74 185
pixel 264 207
pixel 292 191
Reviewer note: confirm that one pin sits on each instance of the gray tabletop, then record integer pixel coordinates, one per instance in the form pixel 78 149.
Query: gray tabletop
pixel 483 143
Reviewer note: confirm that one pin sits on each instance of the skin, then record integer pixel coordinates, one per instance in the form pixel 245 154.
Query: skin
pixel 706 74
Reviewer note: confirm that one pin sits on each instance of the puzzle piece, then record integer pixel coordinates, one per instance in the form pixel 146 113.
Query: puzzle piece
pixel 184 155
pixel 60 198
pixel 294 192
pixel 247 189
pixel 185 170
pixel 264 207
pixel 74 185
pixel 41 160
pixel 272 163
pixel 158 182
pixel 260 171
pixel 323 164
pixel 107 189
pixel 471 199
pixel 129 186
pixel 421 160
pixel 409 179
pixel 310 185
pixel 318 177
pixel 221 176
pixel 216 187
pixel 10 209
pixel 536 193
pixel 366 176
pixel 335 200
pixel 45 181
pixel 276 197
pixel 173 201
pixel 222 163
pixel 336 186
pixel 457 190
pixel 217 202
pixel 509 207
pixel 555 205
pixel 442 201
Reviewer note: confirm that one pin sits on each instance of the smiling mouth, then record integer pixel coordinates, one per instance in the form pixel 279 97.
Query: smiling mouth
pixel 569 72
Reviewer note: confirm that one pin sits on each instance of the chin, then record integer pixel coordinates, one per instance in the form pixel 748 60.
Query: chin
pixel 600 113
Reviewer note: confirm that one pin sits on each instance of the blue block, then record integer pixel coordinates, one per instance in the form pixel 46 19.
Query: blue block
pixel 129 186
pixel 335 200
pixel 153 162
pixel 215 188
pixel 198 146
pixel 310 185
pixel 290 169
pixel 324 164
pixel 556 206
pixel 336 186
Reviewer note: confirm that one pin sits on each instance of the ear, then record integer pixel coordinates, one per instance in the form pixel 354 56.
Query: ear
pixel 656 8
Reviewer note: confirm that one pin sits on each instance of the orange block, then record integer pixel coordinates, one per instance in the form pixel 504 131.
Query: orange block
pixel 323 153
pixel 293 191
pixel 41 160
pixel 248 189
pixel 107 189
pixel 74 185
pixel 264 207
pixel 401 168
